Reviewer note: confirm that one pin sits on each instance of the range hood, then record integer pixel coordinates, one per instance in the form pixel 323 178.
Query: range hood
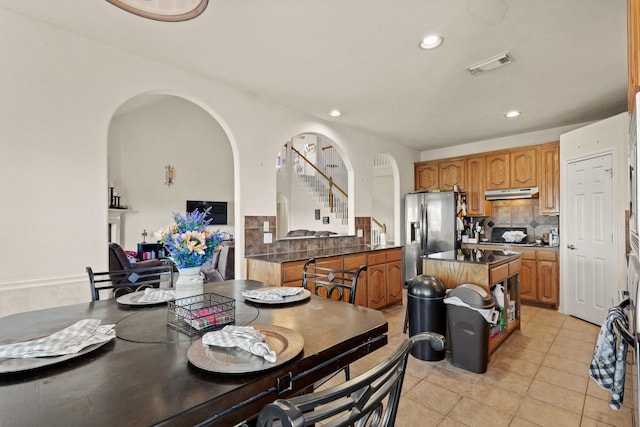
pixel 513 193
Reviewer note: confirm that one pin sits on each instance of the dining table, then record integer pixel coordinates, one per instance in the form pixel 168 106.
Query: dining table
pixel 145 377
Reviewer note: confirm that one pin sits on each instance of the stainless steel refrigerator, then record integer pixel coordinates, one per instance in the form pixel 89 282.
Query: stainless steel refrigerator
pixel 430 227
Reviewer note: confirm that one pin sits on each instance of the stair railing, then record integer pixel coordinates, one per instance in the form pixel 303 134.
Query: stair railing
pixel 377 228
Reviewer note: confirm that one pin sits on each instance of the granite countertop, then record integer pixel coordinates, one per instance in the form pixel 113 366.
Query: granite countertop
pixel 477 256
pixel 318 253
pixel 512 246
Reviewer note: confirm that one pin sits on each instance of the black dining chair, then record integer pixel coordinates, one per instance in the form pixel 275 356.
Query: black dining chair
pixel 331 283
pixel 369 399
pixel 121 282
pixel 336 284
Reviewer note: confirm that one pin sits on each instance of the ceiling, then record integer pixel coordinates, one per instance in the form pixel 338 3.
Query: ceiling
pixel 362 57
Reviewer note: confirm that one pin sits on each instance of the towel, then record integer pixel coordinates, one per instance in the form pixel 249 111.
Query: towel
pixel 245 337
pixel 272 294
pixel 67 341
pixel 157 295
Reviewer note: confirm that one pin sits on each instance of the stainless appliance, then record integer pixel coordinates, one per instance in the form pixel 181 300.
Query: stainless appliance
pixel 430 221
pixel 512 193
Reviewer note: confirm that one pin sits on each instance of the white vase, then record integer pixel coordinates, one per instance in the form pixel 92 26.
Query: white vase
pixel 190 282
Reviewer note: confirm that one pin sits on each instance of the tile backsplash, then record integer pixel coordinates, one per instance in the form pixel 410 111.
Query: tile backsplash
pixel 254 238
pixel 520 213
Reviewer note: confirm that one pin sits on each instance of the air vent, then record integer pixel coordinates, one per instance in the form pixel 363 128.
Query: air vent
pixel 491 63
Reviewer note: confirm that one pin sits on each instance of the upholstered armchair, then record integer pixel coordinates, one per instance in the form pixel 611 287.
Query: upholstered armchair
pixel 222 266
pixel 118 260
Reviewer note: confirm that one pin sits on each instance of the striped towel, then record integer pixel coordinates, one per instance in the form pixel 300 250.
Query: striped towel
pixel 67 341
pixel 245 337
pixel 157 295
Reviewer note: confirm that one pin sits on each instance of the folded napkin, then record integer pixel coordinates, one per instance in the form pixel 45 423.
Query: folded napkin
pixel 272 294
pixel 245 337
pixel 157 295
pixel 67 341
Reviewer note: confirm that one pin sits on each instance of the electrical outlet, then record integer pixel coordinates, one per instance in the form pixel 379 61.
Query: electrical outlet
pixel 265 226
pixel 360 232
pixel 268 238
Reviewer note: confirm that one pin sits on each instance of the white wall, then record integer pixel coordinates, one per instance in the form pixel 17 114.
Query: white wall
pixel 611 134
pixel 172 131
pixel 60 93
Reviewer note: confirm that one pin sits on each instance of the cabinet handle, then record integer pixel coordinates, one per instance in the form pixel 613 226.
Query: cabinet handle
pixel 573 248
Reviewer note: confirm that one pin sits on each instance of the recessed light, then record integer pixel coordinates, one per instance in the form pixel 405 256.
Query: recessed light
pixel 512 114
pixel 335 113
pixel 431 41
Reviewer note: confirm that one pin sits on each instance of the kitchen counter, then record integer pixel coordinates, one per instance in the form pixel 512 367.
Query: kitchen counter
pixel 284 257
pixel 510 246
pixel 492 258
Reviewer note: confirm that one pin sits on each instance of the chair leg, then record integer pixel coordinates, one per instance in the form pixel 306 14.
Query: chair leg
pixel 406 320
pixel 347 373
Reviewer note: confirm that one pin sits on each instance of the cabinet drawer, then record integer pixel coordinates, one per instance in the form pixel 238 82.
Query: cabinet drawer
pixel 527 253
pixel 499 274
pixel 547 255
pixel 378 257
pixel 394 255
pixel 514 267
pixel 352 262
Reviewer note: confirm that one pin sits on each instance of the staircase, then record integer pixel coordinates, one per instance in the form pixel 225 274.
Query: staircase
pixel 318 187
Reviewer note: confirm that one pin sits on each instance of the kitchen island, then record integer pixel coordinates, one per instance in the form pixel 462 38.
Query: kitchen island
pixel 380 286
pixel 485 268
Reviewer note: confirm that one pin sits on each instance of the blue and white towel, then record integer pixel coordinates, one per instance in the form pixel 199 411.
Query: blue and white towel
pixel 608 366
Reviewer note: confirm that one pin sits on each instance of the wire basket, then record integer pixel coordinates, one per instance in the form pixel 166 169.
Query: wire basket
pixel 201 313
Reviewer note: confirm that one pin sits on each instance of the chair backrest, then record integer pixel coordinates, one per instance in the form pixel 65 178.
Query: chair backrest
pixel 226 262
pixel 371 396
pixel 118 259
pixel 120 282
pixel 330 282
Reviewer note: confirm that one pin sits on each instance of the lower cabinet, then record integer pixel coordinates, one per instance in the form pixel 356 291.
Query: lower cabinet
pixel 539 277
pixel 380 286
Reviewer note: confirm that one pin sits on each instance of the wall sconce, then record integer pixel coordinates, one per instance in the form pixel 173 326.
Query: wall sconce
pixel 168 175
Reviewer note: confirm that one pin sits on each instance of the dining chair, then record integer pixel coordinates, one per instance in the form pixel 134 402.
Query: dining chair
pixel 330 282
pixel 369 399
pixel 121 282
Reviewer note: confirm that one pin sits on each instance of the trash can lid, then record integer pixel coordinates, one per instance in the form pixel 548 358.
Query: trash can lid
pixel 473 295
pixel 425 286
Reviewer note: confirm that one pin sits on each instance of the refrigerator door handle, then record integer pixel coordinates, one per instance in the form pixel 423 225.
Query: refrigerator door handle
pixel 424 217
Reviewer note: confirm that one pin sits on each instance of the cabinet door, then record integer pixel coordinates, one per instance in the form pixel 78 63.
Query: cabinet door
pixel 497 176
pixel 394 282
pixel 376 286
pixel 633 51
pixel 476 203
pixel 352 262
pixel 550 179
pixel 548 282
pixel 426 176
pixel 450 173
pixel 523 168
pixel 528 280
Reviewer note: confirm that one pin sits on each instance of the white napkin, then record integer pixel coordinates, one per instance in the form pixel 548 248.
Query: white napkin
pixel 157 295
pixel 272 294
pixel 245 337
pixel 67 341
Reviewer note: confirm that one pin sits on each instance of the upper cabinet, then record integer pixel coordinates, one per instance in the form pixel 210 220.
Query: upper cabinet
pixel 452 172
pixel 512 169
pixel 550 179
pixel 476 203
pixel 633 45
pixel 425 175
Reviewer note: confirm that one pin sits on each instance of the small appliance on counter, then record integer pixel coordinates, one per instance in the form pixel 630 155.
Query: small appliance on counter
pixel 554 238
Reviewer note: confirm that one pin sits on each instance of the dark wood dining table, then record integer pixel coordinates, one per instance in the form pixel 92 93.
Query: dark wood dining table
pixel 143 377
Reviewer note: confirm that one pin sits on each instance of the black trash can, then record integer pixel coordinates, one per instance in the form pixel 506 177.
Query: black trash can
pixel 469 322
pixel 427 313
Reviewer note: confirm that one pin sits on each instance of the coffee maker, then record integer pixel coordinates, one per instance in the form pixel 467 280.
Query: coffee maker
pixel 554 238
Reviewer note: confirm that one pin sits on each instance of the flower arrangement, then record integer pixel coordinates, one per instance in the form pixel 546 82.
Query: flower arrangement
pixel 188 240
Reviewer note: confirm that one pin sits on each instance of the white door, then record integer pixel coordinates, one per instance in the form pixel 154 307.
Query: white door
pixel 591 269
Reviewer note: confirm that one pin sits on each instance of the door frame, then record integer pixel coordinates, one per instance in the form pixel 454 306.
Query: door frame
pixel 618 227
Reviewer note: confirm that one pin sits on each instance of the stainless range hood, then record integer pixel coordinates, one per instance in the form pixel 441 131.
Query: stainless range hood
pixel 513 193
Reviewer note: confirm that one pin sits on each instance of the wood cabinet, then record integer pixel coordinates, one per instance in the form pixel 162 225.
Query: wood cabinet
pixel 497 172
pixel 477 205
pixel 426 176
pixel 380 286
pixel 548 278
pixel 523 164
pixel 633 47
pixel 549 167
pixel 451 173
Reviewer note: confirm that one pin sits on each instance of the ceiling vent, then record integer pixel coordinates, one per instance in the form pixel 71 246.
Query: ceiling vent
pixel 491 63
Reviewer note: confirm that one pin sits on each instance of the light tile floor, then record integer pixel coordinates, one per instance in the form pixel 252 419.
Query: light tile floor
pixel 537 377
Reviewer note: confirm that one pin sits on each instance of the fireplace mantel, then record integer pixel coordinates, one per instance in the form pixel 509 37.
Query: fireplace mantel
pixel 115 224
